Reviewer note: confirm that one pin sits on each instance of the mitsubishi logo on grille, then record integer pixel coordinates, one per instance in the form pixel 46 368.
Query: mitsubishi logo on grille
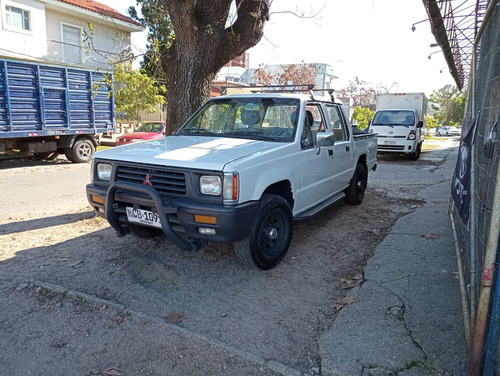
pixel 146 181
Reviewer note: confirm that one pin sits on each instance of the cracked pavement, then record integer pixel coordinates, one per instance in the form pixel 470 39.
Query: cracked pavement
pixel 406 318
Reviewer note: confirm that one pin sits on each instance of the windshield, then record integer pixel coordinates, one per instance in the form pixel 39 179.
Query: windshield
pixel 150 127
pixel 394 117
pixel 253 117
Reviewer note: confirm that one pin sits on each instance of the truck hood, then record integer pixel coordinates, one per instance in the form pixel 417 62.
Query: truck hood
pixel 210 153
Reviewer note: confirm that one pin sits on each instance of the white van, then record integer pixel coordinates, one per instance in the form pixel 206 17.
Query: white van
pixel 400 123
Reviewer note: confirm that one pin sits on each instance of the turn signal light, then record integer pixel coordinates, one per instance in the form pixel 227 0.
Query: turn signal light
pixel 208 219
pixel 97 199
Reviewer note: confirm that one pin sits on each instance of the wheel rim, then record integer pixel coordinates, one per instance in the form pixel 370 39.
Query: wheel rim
pixel 360 186
pixel 84 151
pixel 273 234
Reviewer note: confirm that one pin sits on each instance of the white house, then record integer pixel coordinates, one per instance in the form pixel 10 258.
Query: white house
pixel 81 33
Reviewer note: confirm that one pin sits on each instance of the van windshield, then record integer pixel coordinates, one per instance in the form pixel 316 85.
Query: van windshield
pixel 394 117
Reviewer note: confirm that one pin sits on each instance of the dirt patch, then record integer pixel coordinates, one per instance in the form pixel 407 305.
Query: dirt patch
pixel 229 319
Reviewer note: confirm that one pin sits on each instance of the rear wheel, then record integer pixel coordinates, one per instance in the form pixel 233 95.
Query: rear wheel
pixel 270 235
pixel 357 186
pixel 81 151
pixel 48 155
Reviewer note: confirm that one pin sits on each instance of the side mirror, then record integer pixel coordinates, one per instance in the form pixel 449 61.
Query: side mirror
pixel 420 124
pixel 324 139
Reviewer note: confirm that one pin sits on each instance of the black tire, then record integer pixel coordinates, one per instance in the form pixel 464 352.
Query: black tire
pixel 143 232
pixel 270 235
pixel 357 186
pixel 81 151
pixel 416 155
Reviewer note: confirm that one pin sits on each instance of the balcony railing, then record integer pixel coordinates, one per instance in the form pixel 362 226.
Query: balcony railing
pixel 70 54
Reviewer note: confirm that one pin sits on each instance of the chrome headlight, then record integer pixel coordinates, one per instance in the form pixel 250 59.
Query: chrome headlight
pixel 411 136
pixel 210 185
pixel 104 171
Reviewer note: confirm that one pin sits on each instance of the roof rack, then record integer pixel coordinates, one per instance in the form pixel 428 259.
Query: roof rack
pixel 292 88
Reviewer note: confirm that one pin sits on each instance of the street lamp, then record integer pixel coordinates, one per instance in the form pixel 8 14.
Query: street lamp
pixel 432 53
pixel 413 28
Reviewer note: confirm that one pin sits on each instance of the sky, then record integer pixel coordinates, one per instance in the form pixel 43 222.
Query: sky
pixel 369 39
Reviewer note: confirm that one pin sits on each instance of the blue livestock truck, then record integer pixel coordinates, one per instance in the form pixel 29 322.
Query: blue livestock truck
pixel 46 110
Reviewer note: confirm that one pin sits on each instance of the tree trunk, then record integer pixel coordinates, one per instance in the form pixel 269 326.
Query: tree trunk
pixel 202 46
pixel 188 87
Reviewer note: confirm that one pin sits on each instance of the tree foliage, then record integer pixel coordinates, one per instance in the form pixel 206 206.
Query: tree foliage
pixel 362 94
pixel 135 91
pixel 192 39
pixel 159 37
pixel 291 74
pixel 362 115
pixel 449 105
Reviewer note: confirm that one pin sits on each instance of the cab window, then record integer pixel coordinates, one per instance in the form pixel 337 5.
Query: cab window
pixel 337 124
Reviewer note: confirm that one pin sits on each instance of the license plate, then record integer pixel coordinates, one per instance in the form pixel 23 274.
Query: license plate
pixel 143 217
pixel 389 142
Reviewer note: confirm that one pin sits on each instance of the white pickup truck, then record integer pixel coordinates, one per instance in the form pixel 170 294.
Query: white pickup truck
pixel 240 170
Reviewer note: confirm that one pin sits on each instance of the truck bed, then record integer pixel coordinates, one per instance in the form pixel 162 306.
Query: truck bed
pixel 40 100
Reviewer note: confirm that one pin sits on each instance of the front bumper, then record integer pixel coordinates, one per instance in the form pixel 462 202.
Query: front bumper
pixel 177 215
pixel 396 145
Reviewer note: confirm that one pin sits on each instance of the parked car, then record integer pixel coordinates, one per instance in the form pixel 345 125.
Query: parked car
pixel 447 131
pixel 147 131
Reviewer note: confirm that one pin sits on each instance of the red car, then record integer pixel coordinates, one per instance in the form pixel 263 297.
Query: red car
pixel 149 130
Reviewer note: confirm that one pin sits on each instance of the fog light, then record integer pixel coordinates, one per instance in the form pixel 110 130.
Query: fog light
pixel 206 231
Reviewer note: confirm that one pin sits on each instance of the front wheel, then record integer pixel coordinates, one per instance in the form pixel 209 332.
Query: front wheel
pixel 81 151
pixel 357 186
pixel 270 235
pixel 414 156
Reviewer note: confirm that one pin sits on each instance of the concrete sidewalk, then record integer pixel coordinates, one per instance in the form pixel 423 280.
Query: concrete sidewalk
pixel 406 319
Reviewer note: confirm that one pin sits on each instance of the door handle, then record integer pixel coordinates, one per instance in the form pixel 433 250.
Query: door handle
pixel 347 148
pixel 330 152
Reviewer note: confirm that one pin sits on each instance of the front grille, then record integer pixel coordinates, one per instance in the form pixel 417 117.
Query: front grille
pixel 391 147
pixel 166 182
pixel 379 136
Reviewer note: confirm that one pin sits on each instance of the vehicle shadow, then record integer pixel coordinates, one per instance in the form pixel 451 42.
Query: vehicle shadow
pixel 31 161
pixel 41 223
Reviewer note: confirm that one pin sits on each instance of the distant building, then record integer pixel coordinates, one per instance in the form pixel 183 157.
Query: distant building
pixel 232 71
pixel 324 74
pixel 237 71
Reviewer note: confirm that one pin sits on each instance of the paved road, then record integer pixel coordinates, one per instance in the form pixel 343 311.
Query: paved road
pixel 35 189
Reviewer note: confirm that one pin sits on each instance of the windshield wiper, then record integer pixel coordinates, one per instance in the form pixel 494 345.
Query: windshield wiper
pixel 252 134
pixel 200 131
